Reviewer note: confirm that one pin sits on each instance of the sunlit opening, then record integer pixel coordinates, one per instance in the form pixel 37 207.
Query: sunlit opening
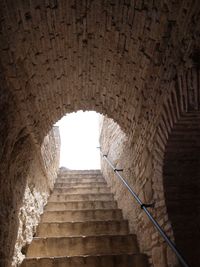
pixel 79 134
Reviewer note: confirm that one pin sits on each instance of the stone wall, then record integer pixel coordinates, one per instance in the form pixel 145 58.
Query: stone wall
pixel 177 124
pixel 157 160
pixel 16 151
pixel 40 180
pixel 135 61
pixel 137 165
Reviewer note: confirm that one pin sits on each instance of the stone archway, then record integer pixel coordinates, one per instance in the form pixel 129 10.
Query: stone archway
pixel 117 58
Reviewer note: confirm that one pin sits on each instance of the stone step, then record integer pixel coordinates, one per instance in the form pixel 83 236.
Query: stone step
pixel 82 190
pixel 78 205
pixel 80 197
pixel 83 228
pixel 80 172
pixel 123 260
pixel 86 245
pixel 81 180
pixel 79 175
pixel 78 184
pixel 81 215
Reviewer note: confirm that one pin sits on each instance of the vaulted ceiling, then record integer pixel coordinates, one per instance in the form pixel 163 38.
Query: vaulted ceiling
pixel 115 57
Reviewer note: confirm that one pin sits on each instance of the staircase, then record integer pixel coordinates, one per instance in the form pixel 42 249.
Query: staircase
pixel 82 226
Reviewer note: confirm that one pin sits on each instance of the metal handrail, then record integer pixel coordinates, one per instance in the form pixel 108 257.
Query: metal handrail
pixel 144 208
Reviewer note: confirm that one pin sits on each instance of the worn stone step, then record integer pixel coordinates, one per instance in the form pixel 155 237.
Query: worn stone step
pixel 83 228
pixel 123 260
pixel 81 180
pixel 80 197
pixel 80 185
pixel 79 175
pixel 82 190
pixel 77 205
pixel 80 172
pixel 86 245
pixel 81 215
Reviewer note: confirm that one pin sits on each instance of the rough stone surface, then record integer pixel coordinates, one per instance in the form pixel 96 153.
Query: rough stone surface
pixel 15 153
pixel 135 61
pixel 40 180
pixel 162 167
pixel 120 151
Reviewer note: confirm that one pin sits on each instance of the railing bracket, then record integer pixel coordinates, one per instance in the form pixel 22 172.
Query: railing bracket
pixel 151 205
pixel 118 170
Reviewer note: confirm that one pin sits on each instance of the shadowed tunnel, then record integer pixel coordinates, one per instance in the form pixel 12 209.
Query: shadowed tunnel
pixel 135 62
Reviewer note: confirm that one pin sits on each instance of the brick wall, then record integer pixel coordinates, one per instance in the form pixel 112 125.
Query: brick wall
pixel 124 59
pixel 162 167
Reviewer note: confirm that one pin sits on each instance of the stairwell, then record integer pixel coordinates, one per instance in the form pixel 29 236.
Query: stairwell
pixel 82 226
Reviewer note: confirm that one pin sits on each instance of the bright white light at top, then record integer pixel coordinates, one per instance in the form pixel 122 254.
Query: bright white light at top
pixel 79 138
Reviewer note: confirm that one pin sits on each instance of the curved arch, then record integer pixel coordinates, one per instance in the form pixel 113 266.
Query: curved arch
pixel 116 57
pixel 111 108
pixel 176 159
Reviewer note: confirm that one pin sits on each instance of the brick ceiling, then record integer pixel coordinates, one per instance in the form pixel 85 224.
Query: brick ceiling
pixel 115 57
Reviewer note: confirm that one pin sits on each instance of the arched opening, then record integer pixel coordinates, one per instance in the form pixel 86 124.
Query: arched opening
pixel 83 201
pixel 40 184
pixel 118 58
pixel 79 133
pixel 181 173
